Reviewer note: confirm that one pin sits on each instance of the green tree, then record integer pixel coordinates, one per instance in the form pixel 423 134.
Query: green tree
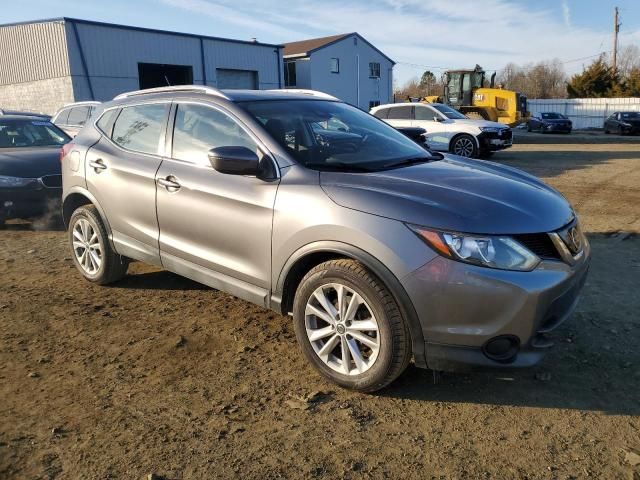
pixel 427 81
pixel 597 80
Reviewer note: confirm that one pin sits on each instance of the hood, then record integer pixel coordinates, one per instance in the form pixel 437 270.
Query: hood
pixel 479 123
pixel 460 195
pixel 30 162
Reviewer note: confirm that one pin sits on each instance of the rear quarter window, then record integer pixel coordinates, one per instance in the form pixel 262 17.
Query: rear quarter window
pixel 105 122
pixel 382 113
pixel 78 116
pixel 61 118
pixel 138 128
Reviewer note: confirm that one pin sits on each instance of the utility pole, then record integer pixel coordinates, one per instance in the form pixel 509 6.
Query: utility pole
pixel 616 29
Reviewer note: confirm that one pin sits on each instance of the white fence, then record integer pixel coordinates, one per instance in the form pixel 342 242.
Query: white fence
pixel 585 112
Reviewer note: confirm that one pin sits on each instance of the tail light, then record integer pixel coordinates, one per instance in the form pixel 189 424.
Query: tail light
pixel 64 151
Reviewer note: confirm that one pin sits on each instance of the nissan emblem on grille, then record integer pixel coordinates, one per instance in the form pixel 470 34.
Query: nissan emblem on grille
pixel 574 242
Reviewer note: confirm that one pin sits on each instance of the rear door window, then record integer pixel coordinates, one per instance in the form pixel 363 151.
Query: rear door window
pixel 139 128
pixel 78 116
pixel 401 113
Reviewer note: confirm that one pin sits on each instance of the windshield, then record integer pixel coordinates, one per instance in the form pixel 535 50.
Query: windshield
pixel 325 135
pixel 630 115
pixel 552 116
pixel 24 133
pixel 448 112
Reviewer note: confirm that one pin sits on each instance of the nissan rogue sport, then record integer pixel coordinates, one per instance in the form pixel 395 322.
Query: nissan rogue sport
pixel 379 249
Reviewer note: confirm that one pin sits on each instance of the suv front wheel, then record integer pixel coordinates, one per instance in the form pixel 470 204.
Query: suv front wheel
pixel 465 146
pixel 349 326
pixel 92 252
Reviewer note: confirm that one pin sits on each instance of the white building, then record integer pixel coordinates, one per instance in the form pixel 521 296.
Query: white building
pixel 48 63
pixel 346 66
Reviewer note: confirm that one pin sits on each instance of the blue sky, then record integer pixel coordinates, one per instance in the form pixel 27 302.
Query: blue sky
pixel 418 34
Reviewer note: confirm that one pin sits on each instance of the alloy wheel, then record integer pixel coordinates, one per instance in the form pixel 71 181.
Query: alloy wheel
pixel 87 247
pixel 342 329
pixel 464 147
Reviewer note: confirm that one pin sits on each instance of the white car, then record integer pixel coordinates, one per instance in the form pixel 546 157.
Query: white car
pixel 447 129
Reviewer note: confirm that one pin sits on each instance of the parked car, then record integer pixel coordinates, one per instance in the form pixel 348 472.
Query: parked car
pixel 43 116
pixel 547 122
pixel 72 117
pixel 447 129
pixel 30 176
pixel 623 123
pixel 303 204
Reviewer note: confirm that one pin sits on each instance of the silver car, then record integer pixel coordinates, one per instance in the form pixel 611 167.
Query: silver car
pixel 380 250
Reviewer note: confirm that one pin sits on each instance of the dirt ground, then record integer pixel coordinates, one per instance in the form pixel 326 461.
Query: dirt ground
pixel 157 374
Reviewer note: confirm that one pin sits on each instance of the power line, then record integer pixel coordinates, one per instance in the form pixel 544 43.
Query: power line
pixel 437 67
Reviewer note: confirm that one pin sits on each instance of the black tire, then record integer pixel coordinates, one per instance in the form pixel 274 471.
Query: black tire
pixel 458 141
pixel 394 336
pixel 113 266
pixel 528 127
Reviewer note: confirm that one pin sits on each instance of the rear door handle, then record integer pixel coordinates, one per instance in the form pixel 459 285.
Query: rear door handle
pixel 97 165
pixel 169 183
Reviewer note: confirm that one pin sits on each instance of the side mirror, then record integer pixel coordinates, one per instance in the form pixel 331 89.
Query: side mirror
pixel 437 118
pixel 234 160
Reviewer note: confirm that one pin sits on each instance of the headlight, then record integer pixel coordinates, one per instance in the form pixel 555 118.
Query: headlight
pixel 493 251
pixel 625 124
pixel 489 129
pixel 12 182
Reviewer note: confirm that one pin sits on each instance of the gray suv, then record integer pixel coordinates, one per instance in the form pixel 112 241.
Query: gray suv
pixel 380 250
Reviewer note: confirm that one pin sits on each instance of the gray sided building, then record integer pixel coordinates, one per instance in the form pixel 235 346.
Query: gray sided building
pixel 346 66
pixel 46 64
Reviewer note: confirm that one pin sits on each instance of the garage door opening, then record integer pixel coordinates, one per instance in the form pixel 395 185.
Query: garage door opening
pixel 153 75
pixel 237 79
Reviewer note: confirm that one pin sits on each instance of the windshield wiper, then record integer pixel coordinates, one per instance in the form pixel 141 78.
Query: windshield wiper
pixel 413 161
pixel 337 167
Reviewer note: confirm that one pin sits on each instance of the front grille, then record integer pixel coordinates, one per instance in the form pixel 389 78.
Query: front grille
pixel 52 181
pixel 540 244
pixel 506 134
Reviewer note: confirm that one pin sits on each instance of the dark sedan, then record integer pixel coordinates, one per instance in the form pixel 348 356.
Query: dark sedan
pixel 550 122
pixel 623 123
pixel 30 175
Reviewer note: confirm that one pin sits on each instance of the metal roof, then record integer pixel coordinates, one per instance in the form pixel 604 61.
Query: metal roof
pixel 140 29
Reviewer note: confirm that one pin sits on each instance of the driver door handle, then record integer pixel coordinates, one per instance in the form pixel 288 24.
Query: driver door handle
pixel 169 183
pixel 97 165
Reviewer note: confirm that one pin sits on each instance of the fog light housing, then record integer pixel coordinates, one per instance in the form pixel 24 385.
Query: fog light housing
pixel 502 349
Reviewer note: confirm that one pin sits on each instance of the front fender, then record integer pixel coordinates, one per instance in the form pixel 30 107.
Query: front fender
pixel 374 265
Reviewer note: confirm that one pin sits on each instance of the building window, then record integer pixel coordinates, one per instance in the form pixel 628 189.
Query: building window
pixel 374 70
pixel 373 103
pixel 289 74
pixel 334 65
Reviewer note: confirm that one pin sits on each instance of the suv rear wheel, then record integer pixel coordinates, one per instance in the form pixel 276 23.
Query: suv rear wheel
pixel 349 326
pixel 92 252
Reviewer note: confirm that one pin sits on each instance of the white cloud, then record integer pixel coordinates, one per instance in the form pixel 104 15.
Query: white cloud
pixel 441 33
pixel 566 13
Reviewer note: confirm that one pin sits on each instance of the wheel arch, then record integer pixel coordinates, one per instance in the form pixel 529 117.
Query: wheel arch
pixel 78 197
pixel 311 255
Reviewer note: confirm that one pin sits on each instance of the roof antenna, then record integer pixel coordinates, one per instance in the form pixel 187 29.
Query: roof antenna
pixel 166 79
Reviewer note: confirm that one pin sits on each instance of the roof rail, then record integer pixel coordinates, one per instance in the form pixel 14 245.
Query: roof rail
pixel 174 88
pixel 312 93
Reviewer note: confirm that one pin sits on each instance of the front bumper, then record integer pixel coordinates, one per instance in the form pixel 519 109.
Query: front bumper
pixel 557 127
pixel 492 142
pixel 462 308
pixel 32 200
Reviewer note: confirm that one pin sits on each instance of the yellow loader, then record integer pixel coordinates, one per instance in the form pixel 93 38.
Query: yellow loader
pixel 465 91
